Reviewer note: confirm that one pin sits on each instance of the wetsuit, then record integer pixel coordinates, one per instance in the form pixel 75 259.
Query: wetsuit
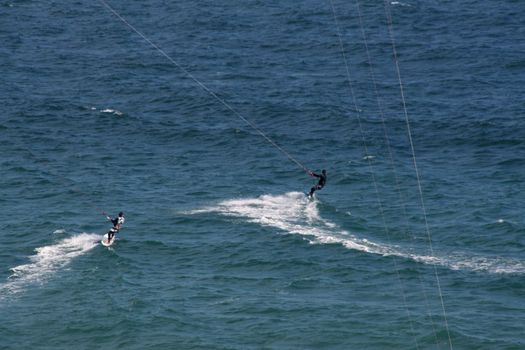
pixel 117 223
pixel 320 184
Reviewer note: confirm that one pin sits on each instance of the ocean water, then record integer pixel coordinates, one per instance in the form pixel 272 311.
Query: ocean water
pixel 202 141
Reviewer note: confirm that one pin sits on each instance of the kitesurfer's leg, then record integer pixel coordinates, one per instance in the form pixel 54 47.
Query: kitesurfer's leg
pixel 111 233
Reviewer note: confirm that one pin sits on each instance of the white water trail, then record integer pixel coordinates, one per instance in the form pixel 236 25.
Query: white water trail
pixel 293 213
pixel 47 261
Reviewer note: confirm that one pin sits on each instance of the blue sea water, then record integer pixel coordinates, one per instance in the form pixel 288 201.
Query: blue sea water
pixel 221 249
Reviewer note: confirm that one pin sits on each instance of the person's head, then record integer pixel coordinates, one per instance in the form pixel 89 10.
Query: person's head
pixel 121 214
pixel 324 172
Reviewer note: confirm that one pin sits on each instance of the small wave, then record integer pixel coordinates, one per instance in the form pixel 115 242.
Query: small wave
pixel 294 213
pixel 399 3
pixel 106 110
pixel 48 260
pixel 112 111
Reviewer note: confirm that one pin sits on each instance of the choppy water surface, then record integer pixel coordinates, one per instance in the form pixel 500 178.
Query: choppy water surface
pixel 221 248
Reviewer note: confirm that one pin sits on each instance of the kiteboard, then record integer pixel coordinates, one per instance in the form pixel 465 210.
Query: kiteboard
pixel 105 240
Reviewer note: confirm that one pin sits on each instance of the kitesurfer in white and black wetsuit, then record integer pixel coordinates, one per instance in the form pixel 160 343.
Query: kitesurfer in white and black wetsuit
pixel 117 224
pixel 320 184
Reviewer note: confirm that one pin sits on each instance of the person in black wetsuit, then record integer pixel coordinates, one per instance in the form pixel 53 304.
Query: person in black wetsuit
pixel 320 184
pixel 117 224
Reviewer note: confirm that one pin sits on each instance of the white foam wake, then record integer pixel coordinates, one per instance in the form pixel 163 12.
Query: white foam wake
pixel 48 260
pixel 294 213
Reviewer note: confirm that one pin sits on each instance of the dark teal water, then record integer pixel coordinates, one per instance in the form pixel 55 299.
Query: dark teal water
pixel 221 249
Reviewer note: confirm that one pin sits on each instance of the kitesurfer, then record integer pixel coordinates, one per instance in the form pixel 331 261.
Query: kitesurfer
pixel 320 184
pixel 117 224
